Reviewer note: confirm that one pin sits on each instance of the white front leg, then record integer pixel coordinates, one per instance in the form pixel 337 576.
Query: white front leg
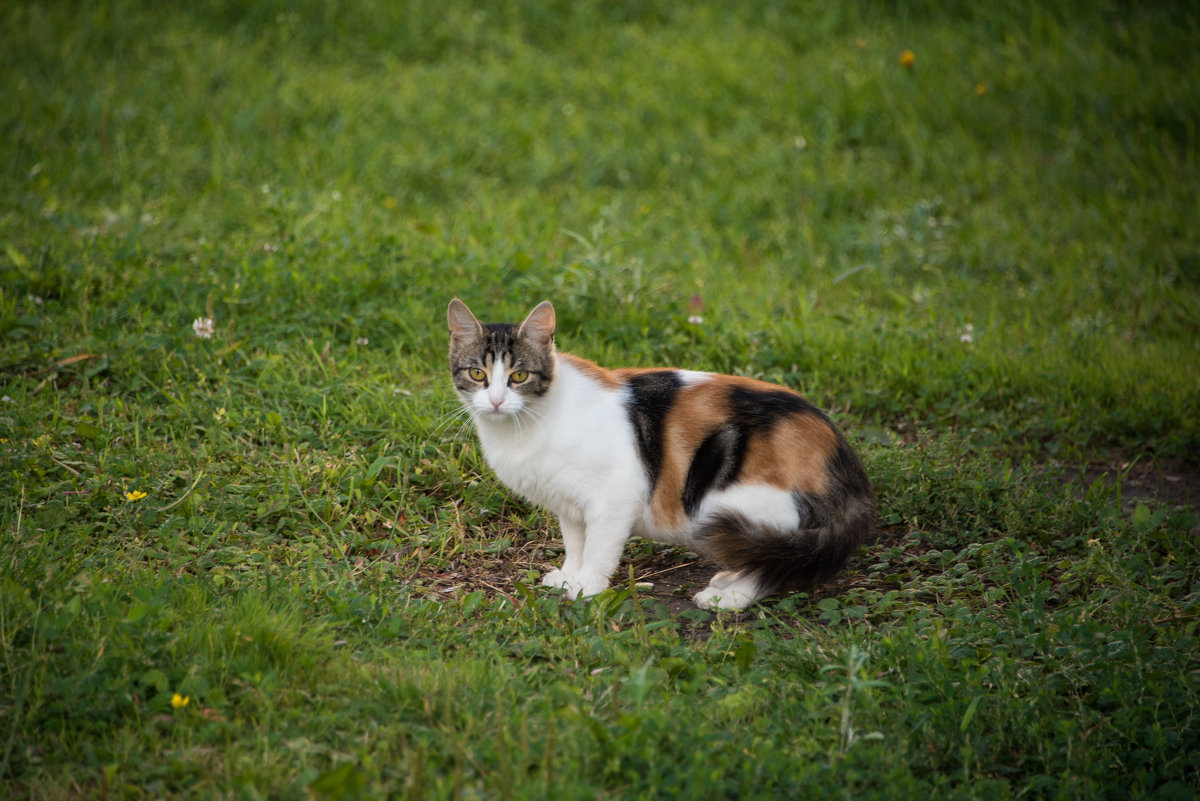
pixel 593 552
pixel 573 539
pixel 602 548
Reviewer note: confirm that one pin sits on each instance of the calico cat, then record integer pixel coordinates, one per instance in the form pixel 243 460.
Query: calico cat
pixel 745 473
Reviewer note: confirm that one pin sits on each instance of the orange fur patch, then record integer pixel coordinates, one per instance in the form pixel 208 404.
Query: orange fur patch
pixel 793 456
pixel 699 410
pixel 605 378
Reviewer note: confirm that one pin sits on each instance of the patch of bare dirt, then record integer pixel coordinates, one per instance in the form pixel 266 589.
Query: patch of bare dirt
pixel 1138 481
pixel 672 576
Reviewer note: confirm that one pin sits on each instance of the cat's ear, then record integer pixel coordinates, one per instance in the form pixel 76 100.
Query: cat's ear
pixel 463 324
pixel 539 325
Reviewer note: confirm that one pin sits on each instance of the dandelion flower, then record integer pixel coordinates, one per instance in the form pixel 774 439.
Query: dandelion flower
pixel 908 59
pixel 135 495
pixel 179 701
pixel 203 326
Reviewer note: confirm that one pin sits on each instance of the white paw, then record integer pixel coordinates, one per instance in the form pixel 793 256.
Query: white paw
pixel 722 580
pixel 592 584
pixel 725 598
pixel 575 586
pixel 563 581
pixel 556 578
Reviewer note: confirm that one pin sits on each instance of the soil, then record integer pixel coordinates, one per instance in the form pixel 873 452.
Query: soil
pixel 1171 483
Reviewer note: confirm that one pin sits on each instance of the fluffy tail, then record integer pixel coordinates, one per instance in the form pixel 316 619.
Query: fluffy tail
pixel 834 525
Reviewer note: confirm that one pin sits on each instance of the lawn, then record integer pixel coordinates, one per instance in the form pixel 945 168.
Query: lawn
pixel 270 562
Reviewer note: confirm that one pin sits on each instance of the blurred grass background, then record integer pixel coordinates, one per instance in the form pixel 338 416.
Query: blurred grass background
pixel 986 263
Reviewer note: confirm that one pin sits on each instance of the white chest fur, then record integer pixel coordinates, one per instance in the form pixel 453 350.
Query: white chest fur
pixel 570 450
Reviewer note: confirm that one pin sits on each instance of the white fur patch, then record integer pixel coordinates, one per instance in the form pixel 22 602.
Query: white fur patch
pixel 761 503
pixel 729 590
pixel 572 451
pixel 690 377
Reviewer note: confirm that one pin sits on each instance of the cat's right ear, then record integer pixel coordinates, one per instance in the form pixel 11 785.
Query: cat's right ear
pixel 463 324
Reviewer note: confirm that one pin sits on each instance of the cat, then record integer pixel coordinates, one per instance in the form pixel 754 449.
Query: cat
pixel 748 474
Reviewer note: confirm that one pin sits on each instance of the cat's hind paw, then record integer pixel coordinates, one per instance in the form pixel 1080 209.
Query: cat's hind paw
pixel 729 590
pixel 730 600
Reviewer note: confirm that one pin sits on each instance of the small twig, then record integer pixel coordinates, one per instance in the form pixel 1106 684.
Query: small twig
pixel 186 493
pixel 64 466
pixel 511 599
pixel 60 363
pixel 666 570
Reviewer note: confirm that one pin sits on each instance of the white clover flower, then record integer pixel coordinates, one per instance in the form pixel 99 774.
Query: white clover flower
pixel 967 334
pixel 203 326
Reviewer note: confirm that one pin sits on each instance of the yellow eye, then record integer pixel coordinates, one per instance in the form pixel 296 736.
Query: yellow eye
pixel 518 376
pixel 477 374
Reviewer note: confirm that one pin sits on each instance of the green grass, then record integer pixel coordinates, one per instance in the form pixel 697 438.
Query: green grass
pixel 322 564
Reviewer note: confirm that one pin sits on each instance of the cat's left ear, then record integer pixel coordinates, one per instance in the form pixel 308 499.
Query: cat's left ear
pixel 539 325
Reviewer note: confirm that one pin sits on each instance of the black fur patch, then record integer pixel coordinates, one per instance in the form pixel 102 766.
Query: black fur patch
pixel 760 410
pixel 715 465
pixel 651 396
pixel 847 471
pixel 811 515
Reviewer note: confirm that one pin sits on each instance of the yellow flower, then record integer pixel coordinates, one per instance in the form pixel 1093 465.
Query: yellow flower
pixel 41 441
pixel 136 495
pixel 981 89
pixel 179 701
pixel 908 59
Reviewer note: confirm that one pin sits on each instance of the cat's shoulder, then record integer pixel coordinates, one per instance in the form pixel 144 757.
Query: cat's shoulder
pixel 624 377
pixel 608 379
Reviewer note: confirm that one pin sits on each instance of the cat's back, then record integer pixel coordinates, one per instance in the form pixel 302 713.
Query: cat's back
pixel 697 432
pixel 673 408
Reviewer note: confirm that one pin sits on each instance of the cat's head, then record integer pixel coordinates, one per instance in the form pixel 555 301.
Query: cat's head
pixel 499 369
